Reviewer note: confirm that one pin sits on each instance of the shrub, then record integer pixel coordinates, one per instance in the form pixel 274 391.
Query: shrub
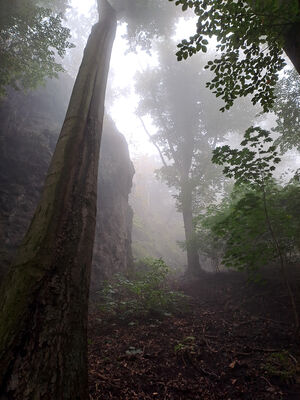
pixel 141 294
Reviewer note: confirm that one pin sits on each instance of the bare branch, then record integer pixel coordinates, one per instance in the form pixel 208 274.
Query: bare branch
pixel 153 141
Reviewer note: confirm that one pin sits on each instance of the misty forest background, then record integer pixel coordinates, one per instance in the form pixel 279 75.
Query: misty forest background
pixel 186 283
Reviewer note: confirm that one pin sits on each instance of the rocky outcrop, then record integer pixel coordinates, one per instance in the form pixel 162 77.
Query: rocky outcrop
pixel 112 248
pixel 29 127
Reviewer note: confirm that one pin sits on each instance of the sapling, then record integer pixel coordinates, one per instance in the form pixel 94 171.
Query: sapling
pixel 253 165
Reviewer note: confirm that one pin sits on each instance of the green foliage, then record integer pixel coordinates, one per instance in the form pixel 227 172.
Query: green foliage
pixel 260 221
pixel 31 37
pixel 250 38
pixel 287 111
pixel 143 294
pixel 187 345
pixel 240 226
pixel 254 163
pixel 132 351
pixel 281 365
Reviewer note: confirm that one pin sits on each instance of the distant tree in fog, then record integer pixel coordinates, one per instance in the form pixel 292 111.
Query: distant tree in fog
pixel 189 126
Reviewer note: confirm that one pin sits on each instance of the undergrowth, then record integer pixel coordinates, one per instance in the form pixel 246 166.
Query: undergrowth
pixel 282 365
pixel 142 293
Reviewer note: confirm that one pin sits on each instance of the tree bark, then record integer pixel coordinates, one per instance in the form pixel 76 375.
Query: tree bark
pixel 291 34
pixel 292 46
pixel 44 300
pixel 193 267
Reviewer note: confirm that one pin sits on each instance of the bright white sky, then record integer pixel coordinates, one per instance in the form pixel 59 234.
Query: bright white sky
pixel 122 70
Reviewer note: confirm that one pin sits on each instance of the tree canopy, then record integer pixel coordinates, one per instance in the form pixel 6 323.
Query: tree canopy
pixel 186 117
pixel 146 19
pixel 188 127
pixel 32 38
pixel 287 110
pixel 251 36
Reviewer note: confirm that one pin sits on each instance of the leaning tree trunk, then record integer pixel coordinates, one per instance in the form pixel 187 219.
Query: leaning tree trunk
pixel 193 267
pixel 44 303
pixel 292 45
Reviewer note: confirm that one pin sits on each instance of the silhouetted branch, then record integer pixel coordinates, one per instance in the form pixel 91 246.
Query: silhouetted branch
pixel 153 141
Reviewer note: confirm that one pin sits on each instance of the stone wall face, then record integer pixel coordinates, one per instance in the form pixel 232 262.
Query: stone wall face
pixel 112 248
pixel 29 127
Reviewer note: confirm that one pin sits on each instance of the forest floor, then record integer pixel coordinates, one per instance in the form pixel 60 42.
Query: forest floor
pixel 234 342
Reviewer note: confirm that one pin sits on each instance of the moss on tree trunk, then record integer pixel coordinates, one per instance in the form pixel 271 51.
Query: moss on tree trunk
pixel 44 300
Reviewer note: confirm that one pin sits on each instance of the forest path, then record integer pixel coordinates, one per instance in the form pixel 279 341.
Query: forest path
pixel 234 342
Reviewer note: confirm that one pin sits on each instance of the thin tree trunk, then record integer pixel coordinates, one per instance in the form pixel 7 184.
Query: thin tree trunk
pixel 44 301
pixel 282 263
pixel 193 267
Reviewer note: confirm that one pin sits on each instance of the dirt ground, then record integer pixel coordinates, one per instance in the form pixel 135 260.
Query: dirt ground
pixel 235 341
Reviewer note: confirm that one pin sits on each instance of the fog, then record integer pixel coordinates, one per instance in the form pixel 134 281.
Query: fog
pixel 149 95
pixel 171 121
pixel 149 200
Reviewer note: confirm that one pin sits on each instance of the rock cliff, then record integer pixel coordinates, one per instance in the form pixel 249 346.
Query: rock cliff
pixel 112 248
pixel 29 127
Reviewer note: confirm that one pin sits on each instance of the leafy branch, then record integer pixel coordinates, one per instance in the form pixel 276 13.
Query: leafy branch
pixel 253 166
pixel 241 29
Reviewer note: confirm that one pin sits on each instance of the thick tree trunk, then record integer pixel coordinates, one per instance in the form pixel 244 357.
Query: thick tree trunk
pixel 292 46
pixel 44 302
pixel 193 267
